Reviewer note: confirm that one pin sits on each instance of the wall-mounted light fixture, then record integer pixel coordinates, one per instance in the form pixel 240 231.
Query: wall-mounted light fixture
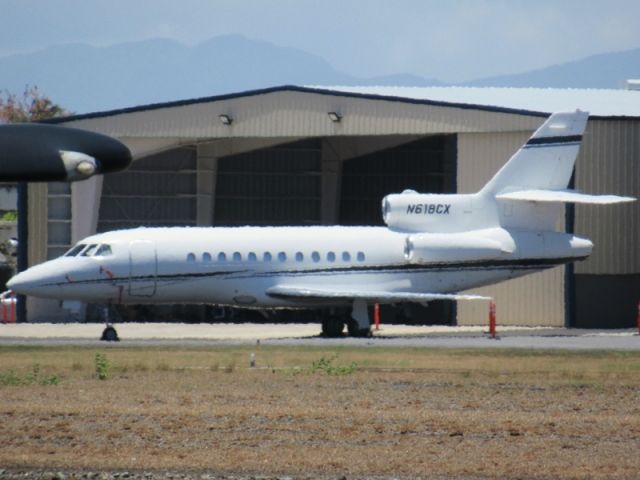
pixel 335 116
pixel 226 119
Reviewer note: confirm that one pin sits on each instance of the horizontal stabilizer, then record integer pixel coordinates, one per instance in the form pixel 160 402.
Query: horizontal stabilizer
pixel 562 196
pixel 373 296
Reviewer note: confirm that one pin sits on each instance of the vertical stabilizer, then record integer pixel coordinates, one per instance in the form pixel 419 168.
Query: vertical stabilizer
pixel 546 161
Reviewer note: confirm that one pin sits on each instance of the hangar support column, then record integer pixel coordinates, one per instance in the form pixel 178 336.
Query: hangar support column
pixel 331 162
pixel 85 205
pixel 205 188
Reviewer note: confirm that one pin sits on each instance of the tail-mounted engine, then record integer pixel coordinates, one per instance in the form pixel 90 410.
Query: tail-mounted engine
pixel 425 248
pixel 423 212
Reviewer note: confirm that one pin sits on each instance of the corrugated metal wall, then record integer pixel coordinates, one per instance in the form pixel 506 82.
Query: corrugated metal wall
pixel 609 162
pixel 607 285
pixel 536 299
pixel 37 223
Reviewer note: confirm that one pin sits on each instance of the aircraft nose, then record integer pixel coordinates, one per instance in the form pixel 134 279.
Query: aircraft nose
pixel 35 281
pixel 22 283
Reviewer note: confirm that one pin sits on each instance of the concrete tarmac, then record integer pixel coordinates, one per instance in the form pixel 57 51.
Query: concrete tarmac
pixel 176 334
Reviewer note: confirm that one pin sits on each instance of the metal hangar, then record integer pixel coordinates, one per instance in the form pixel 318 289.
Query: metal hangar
pixel 327 155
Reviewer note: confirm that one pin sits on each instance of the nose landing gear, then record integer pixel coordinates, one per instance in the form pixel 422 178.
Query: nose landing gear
pixel 109 334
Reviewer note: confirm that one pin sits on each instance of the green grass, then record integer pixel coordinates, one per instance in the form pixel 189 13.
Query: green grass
pixel 593 367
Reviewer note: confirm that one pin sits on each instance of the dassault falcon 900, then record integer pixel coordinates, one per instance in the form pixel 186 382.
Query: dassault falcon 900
pixel 433 247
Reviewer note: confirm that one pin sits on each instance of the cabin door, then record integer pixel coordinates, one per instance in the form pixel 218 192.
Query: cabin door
pixel 143 268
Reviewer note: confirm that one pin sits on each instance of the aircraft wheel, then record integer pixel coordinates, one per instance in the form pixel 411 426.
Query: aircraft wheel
pixel 332 326
pixel 356 331
pixel 109 334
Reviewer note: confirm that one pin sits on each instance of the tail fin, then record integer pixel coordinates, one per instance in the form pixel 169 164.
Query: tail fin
pixel 546 161
pixel 532 185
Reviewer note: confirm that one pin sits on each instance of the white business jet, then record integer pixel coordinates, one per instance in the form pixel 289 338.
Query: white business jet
pixel 434 246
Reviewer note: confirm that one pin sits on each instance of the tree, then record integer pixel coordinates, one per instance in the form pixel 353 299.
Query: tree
pixel 32 106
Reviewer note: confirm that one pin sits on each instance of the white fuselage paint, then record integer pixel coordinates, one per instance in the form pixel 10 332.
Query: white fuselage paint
pixel 185 265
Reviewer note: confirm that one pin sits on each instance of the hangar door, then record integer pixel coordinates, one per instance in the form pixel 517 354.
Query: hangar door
pixel 159 190
pixel 273 186
pixel 426 166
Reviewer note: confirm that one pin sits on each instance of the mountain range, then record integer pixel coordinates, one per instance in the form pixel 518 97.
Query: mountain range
pixel 85 78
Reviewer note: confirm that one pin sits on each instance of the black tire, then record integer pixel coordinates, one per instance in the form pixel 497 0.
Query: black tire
pixel 332 327
pixel 109 334
pixel 356 331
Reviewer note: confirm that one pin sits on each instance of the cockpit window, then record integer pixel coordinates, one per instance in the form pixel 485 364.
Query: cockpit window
pixel 89 250
pixel 75 250
pixel 103 250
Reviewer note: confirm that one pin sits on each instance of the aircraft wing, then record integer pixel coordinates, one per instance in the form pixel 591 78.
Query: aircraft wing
pixel 296 292
pixel 562 196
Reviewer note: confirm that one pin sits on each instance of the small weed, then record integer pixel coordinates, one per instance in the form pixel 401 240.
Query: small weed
pixel 102 366
pixel 326 365
pixel 51 379
pixel 10 379
pixel 35 377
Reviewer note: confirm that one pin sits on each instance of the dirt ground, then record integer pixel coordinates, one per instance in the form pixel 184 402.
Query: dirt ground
pixel 305 412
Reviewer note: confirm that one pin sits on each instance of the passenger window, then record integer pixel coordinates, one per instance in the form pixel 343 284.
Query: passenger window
pixel 89 250
pixel 346 256
pixel 206 257
pixel 266 257
pixel 252 257
pixel 191 257
pixel 299 257
pixel 331 257
pixel 103 250
pixel 237 257
pixel 282 256
pixel 361 256
pixel 315 256
pixel 222 257
pixel 75 250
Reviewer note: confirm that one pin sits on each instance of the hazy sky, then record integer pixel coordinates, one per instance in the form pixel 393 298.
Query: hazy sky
pixel 453 40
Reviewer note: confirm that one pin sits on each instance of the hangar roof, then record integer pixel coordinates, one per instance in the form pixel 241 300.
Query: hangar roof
pixel 598 102
pixel 606 103
pixel 291 112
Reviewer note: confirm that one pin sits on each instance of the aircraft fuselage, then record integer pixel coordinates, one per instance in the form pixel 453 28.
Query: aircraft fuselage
pixel 239 266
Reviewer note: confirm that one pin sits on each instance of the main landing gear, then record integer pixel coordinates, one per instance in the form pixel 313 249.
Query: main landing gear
pixel 357 322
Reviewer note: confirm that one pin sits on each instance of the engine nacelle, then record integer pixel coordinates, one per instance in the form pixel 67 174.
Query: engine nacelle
pixel 426 248
pixel 424 212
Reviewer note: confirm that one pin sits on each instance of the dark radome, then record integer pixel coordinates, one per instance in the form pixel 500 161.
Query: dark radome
pixel 52 153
